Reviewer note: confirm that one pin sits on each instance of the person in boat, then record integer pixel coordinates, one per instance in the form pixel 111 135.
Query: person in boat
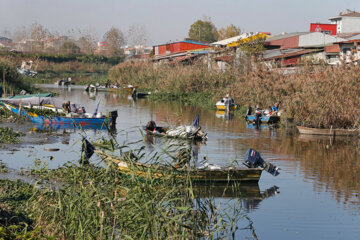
pixel 116 84
pixel 228 99
pixel 276 106
pixel 258 114
pixel 67 107
pixel 268 111
pixel 107 85
pixel 133 93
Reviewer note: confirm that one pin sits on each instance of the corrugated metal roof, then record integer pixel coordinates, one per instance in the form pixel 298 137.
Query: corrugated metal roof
pixel 292 54
pixel 346 14
pixel 278 52
pixel 185 41
pixel 350 41
pixel 224 58
pixel 282 36
pixel 347 35
pixel 233 39
pixel 350 14
pixel 332 48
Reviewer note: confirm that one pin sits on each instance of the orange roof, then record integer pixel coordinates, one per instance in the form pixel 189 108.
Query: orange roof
pixel 224 58
pixel 332 48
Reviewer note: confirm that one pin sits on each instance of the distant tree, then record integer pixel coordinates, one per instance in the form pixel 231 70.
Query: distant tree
pixel 203 31
pixel 69 48
pixel 87 44
pixel 137 35
pixel 228 32
pixel 6 33
pixel 39 33
pixel 20 33
pixel 115 40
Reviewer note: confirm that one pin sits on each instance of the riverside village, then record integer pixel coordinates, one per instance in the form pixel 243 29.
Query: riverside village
pixel 220 134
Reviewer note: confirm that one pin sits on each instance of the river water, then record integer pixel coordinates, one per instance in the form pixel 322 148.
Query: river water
pixel 316 195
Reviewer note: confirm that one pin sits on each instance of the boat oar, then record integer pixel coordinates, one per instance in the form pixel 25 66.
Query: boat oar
pixel 96 110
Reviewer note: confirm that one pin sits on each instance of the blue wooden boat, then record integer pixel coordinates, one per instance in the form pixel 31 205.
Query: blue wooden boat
pixel 57 126
pixel 263 119
pixel 81 121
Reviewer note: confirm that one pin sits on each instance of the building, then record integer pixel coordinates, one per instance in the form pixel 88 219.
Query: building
pixel 347 22
pixel 300 40
pixel 178 47
pixel 323 28
pixel 102 48
pixel 54 44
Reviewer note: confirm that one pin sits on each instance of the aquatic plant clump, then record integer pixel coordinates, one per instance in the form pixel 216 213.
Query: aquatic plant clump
pixel 8 135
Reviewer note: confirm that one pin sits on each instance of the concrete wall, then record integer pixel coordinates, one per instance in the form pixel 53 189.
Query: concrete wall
pixel 350 24
pixel 317 39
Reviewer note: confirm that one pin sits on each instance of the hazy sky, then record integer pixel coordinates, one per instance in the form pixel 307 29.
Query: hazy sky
pixel 169 20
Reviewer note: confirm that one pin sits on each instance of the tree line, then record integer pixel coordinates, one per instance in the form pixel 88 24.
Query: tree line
pixel 76 41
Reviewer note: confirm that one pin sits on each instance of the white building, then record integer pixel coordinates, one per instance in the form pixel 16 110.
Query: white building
pixel 347 22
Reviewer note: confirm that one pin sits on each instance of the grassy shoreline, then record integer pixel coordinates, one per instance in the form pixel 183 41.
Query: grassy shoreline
pixel 89 202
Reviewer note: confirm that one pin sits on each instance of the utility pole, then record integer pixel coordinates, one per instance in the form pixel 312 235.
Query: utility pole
pixel 199 33
pixel 4 90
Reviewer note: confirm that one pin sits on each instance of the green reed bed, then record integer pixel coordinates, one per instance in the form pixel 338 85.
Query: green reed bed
pixel 11 81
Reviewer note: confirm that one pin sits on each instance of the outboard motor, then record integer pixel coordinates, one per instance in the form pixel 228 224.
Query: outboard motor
pixel 254 160
pixel 113 115
pixel 249 111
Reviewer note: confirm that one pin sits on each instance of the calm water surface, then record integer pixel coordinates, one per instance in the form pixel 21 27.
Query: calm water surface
pixel 316 195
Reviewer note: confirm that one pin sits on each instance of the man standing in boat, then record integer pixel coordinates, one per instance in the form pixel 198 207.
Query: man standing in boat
pixel 66 107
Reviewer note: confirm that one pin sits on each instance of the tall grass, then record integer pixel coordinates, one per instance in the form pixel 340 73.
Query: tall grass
pixel 92 202
pixel 319 96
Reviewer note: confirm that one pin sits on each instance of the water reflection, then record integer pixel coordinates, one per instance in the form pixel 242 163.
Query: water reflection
pixel 249 194
pixel 227 115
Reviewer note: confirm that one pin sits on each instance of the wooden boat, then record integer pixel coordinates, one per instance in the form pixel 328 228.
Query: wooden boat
pixel 221 175
pixel 76 119
pixel 140 95
pixel 103 89
pixel 29 96
pixel 272 119
pixel 130 88
pixel 328 131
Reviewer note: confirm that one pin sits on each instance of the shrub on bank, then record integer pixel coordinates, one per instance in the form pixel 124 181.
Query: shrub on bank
pixel 11 81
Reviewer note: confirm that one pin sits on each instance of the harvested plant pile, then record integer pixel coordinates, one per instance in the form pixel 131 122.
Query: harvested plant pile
pixel 7 135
